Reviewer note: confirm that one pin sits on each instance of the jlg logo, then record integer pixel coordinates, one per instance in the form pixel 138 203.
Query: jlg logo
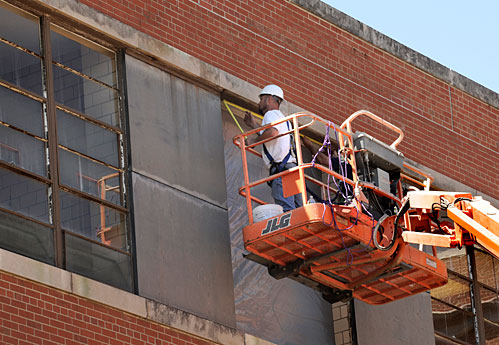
pixel 277 223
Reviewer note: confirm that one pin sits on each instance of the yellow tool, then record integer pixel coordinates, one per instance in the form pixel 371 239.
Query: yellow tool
pixel 230 104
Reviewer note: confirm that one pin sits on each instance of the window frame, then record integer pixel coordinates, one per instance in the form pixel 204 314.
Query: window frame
pixel 50 107
pixel 475 298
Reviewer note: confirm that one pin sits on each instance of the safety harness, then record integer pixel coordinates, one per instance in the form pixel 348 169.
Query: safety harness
pixel 277 167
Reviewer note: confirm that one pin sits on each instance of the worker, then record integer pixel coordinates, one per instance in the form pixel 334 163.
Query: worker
pixel 277 154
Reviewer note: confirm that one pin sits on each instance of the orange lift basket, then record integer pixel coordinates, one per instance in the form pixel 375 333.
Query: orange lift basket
pixel 340 248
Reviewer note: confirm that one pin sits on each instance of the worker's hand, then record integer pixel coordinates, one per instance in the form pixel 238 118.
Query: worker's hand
pixel 249 120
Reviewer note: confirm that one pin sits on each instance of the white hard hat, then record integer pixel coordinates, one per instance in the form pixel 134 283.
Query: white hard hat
pixel 272 90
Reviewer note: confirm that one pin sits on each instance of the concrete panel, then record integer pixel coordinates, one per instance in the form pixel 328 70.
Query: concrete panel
pixel 175 132
pixel 404 322
pixel 183 251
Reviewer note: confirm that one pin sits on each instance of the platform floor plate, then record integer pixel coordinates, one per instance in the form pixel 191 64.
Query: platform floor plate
pixel 339 253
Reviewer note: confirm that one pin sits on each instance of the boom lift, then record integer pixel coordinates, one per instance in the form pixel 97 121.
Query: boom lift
pixel 360 243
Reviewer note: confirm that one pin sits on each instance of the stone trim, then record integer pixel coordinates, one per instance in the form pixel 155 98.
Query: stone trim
pixel 112 297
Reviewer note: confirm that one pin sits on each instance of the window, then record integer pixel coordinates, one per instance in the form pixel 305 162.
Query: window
pixel 62 150
pixel 451 306
pixel 455 319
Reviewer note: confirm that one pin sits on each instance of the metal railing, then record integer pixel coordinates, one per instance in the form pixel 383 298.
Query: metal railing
pixel 301 121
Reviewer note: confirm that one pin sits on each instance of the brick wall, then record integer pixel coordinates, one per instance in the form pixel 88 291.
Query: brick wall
pixel 31 313
pixel 330 72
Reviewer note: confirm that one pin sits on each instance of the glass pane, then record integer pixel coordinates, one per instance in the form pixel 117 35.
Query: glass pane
pixel 27 238
pixel 456 324
pixel 20 68
pixel 23 195
pixel 455 259
pixel 455 292
pixel 94 221
pixel 96 64
pixel 21 111
pixel 491 333
pixel 87 138
pixel 446 341
pixel 485 269
pixel 22 150
pixel 20 28
pixel 98 262
pixel 86 96
pixel 490 304
pixel 89 177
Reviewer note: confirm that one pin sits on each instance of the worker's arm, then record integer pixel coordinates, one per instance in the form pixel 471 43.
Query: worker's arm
pixel 321 157
pixel 271 132
pixel 267 134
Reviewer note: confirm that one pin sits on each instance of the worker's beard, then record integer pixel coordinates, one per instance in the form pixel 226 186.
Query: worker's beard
pixel 262 109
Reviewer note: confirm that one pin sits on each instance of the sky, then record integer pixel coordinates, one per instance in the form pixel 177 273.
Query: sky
pixel 462 35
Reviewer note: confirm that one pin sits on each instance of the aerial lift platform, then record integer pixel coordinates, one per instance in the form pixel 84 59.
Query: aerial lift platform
pixel 361 246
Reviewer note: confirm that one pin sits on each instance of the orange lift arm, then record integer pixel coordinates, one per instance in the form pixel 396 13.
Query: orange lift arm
pixel 481 220
pixel 475 221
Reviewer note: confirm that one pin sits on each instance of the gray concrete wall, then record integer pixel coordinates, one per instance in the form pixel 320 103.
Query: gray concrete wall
pixel 178 179
pixel 404 322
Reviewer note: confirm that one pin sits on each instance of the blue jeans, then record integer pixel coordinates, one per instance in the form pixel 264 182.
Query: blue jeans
pixel 288 203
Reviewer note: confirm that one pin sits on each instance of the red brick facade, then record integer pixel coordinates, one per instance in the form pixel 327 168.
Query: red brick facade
pixel 331 72
pixel 321 68
pixel 31 313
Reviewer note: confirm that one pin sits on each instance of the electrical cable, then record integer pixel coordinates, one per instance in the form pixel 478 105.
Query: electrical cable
pixel 461 199
pixel 346 192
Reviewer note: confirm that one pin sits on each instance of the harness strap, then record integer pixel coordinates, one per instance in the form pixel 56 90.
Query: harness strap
pixel 282 164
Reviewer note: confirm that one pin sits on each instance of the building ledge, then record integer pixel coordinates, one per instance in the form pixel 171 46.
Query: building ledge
pixel 38 272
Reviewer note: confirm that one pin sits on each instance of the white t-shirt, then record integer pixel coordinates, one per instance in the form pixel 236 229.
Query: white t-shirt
pixel 278 148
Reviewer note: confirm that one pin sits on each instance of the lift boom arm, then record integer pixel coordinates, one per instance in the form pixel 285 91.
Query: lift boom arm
pixel 475 221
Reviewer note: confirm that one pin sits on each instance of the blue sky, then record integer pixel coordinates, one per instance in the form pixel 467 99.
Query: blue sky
pixel 461 34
